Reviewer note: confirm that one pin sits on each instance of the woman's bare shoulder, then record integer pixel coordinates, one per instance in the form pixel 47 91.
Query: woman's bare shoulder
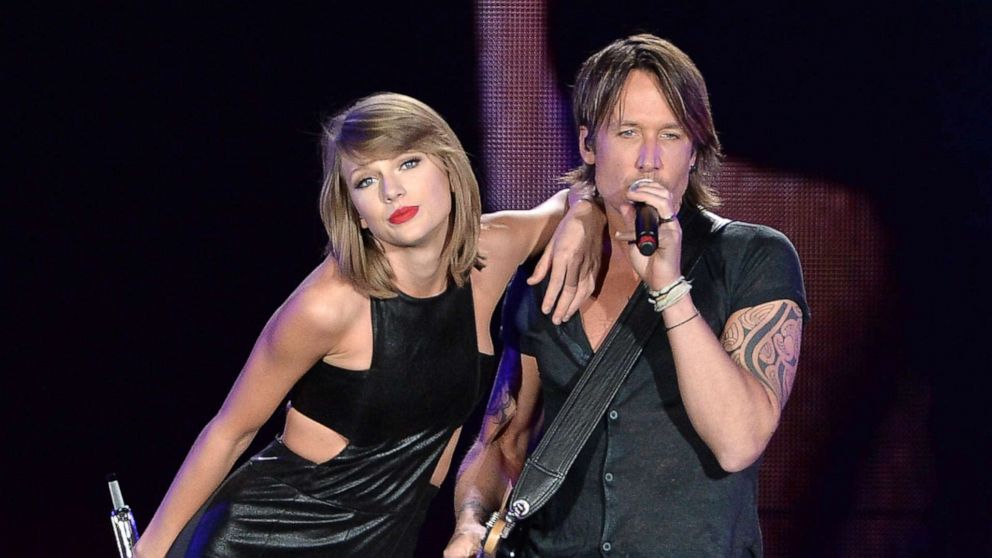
pixel 501 240
pixel 326 300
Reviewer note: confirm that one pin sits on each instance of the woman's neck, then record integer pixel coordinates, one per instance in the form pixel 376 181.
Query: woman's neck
pixel 418 272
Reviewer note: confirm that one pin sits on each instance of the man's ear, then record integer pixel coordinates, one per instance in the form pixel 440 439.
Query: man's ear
pixel 586 147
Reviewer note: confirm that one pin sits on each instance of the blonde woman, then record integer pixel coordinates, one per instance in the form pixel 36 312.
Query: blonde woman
pixel 383 350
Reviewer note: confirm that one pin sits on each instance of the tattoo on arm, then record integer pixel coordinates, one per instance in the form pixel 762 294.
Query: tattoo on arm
pixel 765 340
pixel 474 507
pixel 503 402
pixel 500 407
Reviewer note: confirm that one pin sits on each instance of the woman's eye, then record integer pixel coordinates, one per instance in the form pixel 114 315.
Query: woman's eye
pixel 364 183
pixel 410 163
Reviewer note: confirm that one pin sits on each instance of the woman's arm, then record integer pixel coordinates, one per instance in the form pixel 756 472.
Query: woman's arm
pixel 298 334
pixel 569 228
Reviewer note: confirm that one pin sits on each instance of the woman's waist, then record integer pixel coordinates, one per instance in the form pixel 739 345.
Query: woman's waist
pixel 384 477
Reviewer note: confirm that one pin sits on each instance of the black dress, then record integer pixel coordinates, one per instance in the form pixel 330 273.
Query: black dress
pixel 425 379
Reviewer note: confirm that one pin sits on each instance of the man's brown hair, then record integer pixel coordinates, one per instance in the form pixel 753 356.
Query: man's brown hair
pixel 600 82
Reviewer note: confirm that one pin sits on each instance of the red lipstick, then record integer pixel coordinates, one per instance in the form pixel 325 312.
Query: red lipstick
pixel 403 214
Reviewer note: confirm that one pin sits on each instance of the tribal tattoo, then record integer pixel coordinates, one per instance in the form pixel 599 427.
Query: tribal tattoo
pixel 503 401
pixel 500 408
pixel 765 340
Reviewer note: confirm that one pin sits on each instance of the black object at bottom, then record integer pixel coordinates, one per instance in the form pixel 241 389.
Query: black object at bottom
pixel 646 228
pixel 546 467
pixel 272 506
pixel 511 546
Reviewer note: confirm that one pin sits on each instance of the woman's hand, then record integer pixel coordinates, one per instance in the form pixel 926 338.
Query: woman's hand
pixel 573 256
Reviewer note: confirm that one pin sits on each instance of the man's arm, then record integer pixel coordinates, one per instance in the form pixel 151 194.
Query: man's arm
pixel 765 340
pixel 734 388
pixel 497 457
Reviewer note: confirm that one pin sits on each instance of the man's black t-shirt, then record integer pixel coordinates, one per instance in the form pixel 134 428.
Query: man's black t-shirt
pixel 645 484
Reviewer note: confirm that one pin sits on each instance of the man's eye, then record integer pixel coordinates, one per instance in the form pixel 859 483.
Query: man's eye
pixel 670 136
pixel 410 163
pixel 627 133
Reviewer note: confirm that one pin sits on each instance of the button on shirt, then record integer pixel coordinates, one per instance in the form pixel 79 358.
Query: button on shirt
pixel 645 484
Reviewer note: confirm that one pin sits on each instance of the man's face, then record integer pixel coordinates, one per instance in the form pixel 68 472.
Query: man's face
pixel 642 139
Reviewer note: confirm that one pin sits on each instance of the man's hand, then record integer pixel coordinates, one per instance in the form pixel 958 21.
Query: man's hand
pixel 664 266
pixel 573 256
pixel 466 542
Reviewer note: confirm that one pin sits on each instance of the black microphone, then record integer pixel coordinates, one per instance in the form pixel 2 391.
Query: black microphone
pixel 645 223
pixel 646 228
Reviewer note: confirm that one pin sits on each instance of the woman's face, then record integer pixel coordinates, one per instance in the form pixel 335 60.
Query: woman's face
pixel 404 201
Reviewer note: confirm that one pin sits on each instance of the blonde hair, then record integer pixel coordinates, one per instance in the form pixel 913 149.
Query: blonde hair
pixel 382 126
pixel 600 82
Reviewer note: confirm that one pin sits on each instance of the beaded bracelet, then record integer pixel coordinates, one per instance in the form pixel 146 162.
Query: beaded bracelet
pixel 664 291
pixel 666 297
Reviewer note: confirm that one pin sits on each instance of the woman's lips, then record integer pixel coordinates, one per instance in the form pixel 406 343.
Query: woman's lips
pixel 403 214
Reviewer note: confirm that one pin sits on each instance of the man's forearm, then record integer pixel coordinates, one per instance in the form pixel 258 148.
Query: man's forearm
pixel 481 485
pixel 734 403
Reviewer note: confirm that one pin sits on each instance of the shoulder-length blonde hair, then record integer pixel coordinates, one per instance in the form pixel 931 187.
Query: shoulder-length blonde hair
pixel 382 126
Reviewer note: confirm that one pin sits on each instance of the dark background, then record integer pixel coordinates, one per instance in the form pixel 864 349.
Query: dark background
pixel 163 174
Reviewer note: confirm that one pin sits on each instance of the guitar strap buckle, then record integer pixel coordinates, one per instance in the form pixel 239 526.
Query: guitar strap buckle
pixel 518 509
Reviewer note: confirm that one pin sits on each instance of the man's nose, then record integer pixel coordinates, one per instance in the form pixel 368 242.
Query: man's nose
pixel 649 157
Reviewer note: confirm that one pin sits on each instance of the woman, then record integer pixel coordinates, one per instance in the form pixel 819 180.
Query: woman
pixel 376 349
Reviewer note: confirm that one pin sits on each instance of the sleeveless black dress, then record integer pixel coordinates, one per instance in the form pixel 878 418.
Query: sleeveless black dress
pixel 425 379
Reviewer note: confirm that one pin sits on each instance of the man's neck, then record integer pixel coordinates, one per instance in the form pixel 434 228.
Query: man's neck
pixel 619 274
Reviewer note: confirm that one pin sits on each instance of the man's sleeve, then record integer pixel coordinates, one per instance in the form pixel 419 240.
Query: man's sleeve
pixel 520 310
pixel 768 269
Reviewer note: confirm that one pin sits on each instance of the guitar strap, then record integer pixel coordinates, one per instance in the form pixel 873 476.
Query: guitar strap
pixel 545 469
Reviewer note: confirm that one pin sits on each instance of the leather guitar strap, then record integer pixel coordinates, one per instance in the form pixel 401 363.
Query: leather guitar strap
pixel 546 467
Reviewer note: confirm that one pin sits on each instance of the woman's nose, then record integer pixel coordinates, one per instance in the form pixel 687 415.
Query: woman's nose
pixel 391 189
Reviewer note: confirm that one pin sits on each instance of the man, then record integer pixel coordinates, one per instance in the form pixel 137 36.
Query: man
pixel 671 470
